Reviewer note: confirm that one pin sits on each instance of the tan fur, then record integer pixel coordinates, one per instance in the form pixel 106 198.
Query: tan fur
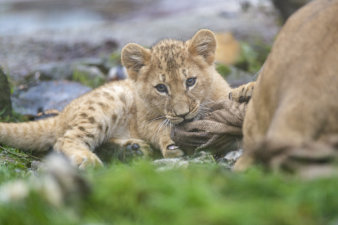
pixel 132 110
pixel 295 101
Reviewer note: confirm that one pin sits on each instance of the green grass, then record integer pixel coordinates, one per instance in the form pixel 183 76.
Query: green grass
pixel 14 163
pixel 224 70
pixel 252 57
pixel 85 79
pixel 138 193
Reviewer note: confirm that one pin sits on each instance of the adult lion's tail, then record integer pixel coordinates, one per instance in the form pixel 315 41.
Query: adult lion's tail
pixel 36 135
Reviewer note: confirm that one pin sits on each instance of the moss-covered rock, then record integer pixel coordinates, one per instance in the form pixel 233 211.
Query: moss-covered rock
pixel 90 76
pixel 5 100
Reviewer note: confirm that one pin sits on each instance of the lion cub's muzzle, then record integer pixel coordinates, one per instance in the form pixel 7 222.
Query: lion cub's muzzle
pixel 182 115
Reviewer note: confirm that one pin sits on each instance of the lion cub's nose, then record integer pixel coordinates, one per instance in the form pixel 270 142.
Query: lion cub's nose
pixel 181 112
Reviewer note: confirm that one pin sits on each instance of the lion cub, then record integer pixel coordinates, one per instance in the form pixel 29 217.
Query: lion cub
pixel 169 83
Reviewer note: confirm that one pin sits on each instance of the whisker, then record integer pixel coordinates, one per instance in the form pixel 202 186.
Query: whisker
pixel 159 127
pixel 157 118
pixel 170 125
pixel 167 123
pixel 204 109
pixel 208 101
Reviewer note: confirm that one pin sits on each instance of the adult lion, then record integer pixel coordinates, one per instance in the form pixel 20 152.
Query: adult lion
pixel 292 119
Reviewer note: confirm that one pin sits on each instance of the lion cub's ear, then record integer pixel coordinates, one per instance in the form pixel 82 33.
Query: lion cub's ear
pixel 134 57
pixel 203 43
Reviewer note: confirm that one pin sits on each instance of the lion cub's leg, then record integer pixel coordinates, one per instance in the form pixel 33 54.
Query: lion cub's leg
pixel 243 93
pixel 168 147
pixel 78 149
pixel 163 140
pixel 137 147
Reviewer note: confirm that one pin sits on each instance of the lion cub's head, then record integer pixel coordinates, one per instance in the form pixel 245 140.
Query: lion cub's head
pixel 173 77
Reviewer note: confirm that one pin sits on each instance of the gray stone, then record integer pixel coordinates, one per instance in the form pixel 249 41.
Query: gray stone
pixel 90 72
pixel 54 71
pixel 230 158
pixel 88 75
pixel 117 73
pixel 64 70
pixel 238 77
pixel 5 100
pixel 167 164
pixel 183 162
pixel 47 95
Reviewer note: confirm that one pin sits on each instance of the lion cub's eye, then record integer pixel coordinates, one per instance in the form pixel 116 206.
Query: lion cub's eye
pixel 161 88
pixel 190 81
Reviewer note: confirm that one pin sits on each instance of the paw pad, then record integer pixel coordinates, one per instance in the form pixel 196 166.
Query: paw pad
pixel 134 149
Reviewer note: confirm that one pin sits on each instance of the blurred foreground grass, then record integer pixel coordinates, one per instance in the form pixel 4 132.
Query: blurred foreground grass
pixel 138 193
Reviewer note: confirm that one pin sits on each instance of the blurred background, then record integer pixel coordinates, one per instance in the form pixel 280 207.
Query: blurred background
pixel 70 46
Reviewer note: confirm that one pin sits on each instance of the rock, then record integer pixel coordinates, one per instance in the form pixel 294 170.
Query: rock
pixel 54 71
pixel 47 95
pixel 167 164
pixel 5 100
pixel 90 68
pixel 237 77
pixel 51 59
pixel 230 158
pixel 172 163
pixel 117 73
pixel 101 63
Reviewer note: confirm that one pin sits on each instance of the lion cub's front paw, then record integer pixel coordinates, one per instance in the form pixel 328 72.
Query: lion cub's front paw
pixel 134 147
pixel 85 159
pixel 137 147
pixel 243 93
pixel 172 151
